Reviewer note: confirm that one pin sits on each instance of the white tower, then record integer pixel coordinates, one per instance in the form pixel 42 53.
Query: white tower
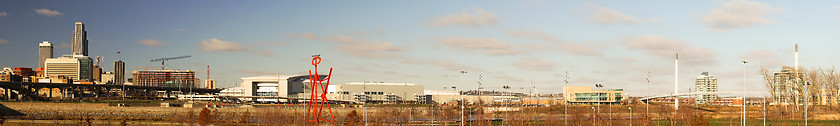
pixel 676 81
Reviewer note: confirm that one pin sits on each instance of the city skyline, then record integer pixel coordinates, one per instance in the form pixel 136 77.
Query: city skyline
pixel 509 43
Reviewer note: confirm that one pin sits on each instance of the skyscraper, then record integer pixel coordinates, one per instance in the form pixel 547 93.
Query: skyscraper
pixel 705 83
pixel 119 72
pixel 45 51
pixel 80 42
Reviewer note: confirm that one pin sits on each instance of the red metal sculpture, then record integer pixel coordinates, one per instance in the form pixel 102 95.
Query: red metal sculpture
pixel 316 105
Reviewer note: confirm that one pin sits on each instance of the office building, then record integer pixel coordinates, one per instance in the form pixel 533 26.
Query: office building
pixel 197 83
pixel 705 84
pixel 376 91
pixel 45 51
pixel 96 73
pixel 585 95
pixel 210 84
pixel 62 66
pixel 119 72
pixel 79 43
pixel 164 78
pixel 107 78
pixel 23 71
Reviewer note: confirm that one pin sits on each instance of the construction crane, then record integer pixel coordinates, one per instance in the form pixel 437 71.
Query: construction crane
pixel 163 60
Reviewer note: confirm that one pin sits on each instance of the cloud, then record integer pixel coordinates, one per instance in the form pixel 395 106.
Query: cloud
pixel 266 53
pixel 216 45
pixel 47 12
pixel 373 49
pixel 360 47
pixel 509 78
pixel 278 43
pixel 153 43
pixel 587 49
pixel 357 33
pixel 3 14
pixel 445 64
pixel 535 35
pixel 489 46
pixel 380 31
pixel 764 57
pixel 738 14
pixel 667 47
pixel 3 41
pixel 342 39
pixel 535 64
pixel 604 15
pixel 479 17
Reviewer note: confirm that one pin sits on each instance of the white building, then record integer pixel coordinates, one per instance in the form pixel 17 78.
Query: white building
pixel 375 91
pixel 62 66
pixel 107 78
pixel 705 83
pixel 288 86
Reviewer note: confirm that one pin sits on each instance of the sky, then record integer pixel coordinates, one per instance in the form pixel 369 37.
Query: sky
pixel 498 43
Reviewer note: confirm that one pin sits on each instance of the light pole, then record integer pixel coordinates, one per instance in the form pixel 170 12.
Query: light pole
pixel 462 97
pixel 631 115
pixel 647 106
pixel 806 102
pixel 593 116
pixel 744 98
pixel 598 101
pixel 565 104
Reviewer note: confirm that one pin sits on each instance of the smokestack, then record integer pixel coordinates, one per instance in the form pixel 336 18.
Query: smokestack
pixel 676 80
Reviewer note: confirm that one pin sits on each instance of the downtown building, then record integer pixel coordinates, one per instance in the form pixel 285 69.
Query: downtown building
pixel 74 67
pixel 45 51
pixel 705 84
pixel 163 78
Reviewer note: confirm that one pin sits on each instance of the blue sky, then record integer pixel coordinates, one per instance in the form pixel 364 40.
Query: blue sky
pixel 428 42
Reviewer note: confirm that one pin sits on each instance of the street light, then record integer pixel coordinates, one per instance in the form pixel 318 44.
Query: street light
pixel 631 115
pixel 462 97
pixel 744 98
pixel 806 102
pixel 565 104
pixel 593 116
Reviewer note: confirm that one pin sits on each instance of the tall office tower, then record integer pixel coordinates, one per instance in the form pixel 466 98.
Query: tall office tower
pixel 119 72
pixel 45 51
pixel 705 83
pixel 80 42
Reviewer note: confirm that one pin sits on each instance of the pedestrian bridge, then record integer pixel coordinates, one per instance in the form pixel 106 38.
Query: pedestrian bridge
pixel 645 99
